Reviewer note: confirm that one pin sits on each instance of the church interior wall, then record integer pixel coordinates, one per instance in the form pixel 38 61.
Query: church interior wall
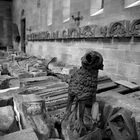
pixel 121 55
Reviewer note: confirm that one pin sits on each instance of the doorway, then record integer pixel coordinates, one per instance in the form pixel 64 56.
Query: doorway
pixel 23 34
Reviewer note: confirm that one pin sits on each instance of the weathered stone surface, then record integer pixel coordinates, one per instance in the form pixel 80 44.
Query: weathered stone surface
pixel 135 27
pixel 6 118
pixel 118 29
pixel 117 100
pixel 27 134
pixel 128 70
pixel 111 13
pixel 110 66
pixel 127 84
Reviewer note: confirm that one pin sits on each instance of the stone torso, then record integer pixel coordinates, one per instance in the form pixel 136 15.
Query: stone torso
pixel 83 83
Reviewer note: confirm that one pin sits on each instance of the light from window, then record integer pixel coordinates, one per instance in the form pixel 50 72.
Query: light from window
pixel 66 10
pixel 131 3
pixel 50 12
pixel 97 7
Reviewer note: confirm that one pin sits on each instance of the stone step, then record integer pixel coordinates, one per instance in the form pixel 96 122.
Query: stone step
pixel 26 134
pixel 127 84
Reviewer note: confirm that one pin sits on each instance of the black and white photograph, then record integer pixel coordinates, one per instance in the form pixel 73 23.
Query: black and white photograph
pixel 69 69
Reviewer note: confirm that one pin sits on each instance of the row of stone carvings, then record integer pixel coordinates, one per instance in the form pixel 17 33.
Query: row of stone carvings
pixel 122 28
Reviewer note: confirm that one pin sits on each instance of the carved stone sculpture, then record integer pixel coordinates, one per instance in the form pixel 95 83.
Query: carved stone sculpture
pixel 73 33
pixel 53 35
pixel 57 34
pixel 45 35
pixel 64 33
pixel 118 29
pixel 83 86
pixel 135 27
pixel 48 35
pixel 103 31
pixel 88 31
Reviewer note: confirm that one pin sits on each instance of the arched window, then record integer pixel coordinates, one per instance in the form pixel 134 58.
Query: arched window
pixel 131 3
pixel 97 7
pixel 66 10
pixel 50 12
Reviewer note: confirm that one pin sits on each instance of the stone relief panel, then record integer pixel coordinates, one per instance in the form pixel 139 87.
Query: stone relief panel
pixel 48 35
pixel 43 35
pixel 57 34
pixel 65 33
pixel 88 31
pixel 73 33
pixel 104 31
pixel 116 29
pixel 135 28
pixel 119 29
pixel 52 35
pixel 38 38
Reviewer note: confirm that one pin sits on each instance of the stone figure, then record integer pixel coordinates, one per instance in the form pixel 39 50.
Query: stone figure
pixel 117 30
pixel 83 84
pixel 103 31
pixel 82 89
pixel 88 31
pixel 135 28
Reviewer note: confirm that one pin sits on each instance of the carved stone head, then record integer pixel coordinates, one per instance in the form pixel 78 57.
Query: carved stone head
pixel 92 60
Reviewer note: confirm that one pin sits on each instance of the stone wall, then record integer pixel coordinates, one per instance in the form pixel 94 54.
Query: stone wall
pixel 5 23
pixel 121 56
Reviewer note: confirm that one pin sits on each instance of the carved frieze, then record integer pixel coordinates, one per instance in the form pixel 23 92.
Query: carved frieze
pixel 52 35
pixel 38 36
pixel 43 35
pixel 65 33
pixel 57 34
pixel 119 29
pixel 33 36
pixel 49 35
pixel 116 29
pixel 135 27
pixel 88 31
pixel 73 33
pixel 103 31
